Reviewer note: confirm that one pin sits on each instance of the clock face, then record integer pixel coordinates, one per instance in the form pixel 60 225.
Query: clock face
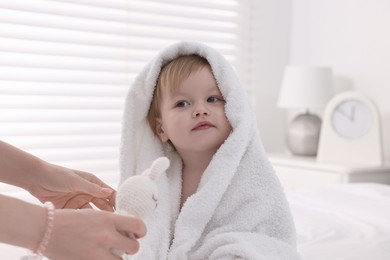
pixel 352 119
pixel 351 132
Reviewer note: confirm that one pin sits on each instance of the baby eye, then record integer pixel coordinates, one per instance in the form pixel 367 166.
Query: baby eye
pixel 215 99
pixel 155 200
pixel 182 103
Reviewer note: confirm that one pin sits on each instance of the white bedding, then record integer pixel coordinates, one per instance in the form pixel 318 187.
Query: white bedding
pixel 342 222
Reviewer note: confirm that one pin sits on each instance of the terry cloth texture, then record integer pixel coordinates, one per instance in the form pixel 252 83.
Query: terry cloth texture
pixel 239 210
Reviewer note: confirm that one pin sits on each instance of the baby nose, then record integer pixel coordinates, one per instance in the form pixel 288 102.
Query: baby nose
pixel 201 109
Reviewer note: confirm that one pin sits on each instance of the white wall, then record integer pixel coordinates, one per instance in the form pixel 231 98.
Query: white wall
pixel 352 36
pixel 271 30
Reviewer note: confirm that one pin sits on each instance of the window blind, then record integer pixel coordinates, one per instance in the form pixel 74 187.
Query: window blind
pixel 65 68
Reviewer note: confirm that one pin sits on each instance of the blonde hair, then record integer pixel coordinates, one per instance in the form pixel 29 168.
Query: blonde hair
pixel 170 78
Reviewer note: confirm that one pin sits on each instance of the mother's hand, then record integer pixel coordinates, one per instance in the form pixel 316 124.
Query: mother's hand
pixel 68 188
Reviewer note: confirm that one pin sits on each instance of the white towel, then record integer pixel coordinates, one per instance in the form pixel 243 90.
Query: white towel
pixel 239 210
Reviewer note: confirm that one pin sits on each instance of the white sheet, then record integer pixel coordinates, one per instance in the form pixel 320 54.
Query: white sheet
pixel 343 222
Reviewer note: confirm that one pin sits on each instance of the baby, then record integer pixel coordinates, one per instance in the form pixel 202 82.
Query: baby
pixel 220 198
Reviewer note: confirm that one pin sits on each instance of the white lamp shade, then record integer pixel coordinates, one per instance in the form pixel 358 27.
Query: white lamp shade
pixel 306 87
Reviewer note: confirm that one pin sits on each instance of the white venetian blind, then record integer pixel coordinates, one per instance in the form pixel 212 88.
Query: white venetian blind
pixel 65 67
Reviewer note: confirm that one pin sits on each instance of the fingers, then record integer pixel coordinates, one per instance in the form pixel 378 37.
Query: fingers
pixel 126 244
pixel 86 206
pixel 109 256
pixel 103 204
pixel 77 202
pixel 101 195
pixel 126 225
pixel 112 199
pixel 90 184
pixel 119 240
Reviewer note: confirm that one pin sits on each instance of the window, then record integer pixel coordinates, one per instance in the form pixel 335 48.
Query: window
pixel 65 67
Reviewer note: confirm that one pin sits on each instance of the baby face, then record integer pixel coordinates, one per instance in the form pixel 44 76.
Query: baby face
pixel 193 117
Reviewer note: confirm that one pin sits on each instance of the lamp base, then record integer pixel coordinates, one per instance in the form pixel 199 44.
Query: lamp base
pixel 303 135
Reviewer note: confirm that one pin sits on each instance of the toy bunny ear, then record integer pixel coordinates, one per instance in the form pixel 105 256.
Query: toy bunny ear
pixel 158 167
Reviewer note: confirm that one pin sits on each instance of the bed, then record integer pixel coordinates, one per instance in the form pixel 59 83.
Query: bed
pixel 338 222
pixel 343 222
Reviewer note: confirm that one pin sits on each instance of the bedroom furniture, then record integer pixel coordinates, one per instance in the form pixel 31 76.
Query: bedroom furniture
pixel 296 172
pixel 351 131
pixel 305 87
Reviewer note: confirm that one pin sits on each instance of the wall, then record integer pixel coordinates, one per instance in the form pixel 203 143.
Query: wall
pixel 271 32
pixel 352 36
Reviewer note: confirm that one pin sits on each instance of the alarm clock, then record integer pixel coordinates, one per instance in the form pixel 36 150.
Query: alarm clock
pixel 351 131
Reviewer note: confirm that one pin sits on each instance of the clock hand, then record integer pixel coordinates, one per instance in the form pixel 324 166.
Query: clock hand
pixel 353 113
pixel 343 113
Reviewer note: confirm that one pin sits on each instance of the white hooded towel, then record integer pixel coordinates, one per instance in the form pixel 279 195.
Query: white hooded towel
pixel 239 210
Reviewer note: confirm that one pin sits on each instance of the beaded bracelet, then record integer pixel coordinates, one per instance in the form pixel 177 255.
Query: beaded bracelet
pixel 38 253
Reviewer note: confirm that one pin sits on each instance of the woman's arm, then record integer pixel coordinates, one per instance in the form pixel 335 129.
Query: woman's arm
pixel 21 223
pixel 19 168
pixel 66 188
pixel 76 234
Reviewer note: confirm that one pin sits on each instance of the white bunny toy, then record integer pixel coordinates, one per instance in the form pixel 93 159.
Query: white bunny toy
pixel 137 195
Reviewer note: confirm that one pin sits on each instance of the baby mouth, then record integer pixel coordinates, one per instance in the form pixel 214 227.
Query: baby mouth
pixel 203 126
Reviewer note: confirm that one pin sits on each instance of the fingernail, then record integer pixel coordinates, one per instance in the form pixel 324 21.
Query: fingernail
pixel 106 190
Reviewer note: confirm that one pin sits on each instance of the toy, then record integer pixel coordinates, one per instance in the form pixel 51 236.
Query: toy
pixel 137 196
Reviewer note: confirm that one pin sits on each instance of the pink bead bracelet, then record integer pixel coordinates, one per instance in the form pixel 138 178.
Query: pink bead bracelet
pixel 38 253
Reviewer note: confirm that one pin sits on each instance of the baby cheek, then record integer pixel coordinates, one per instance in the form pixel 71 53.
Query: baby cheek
pixel 227 125
pixel 177 121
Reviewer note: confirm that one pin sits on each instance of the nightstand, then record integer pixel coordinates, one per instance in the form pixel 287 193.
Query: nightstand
pixel 296 172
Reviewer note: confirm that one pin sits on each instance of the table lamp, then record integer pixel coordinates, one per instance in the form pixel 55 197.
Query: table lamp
pixel 305 87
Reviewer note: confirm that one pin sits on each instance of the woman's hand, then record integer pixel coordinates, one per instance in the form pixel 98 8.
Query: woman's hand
pixel 90 234
pixel 68 188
